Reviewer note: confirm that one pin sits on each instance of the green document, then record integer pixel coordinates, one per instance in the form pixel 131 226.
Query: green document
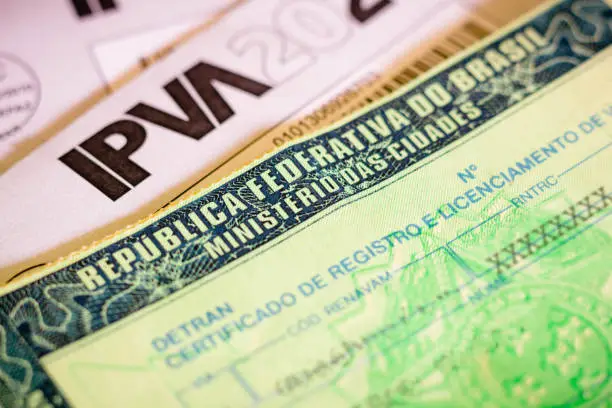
pixel 449 247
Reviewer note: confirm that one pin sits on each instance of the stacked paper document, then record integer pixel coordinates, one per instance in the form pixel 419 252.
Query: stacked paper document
pixel 239 85
pixel 296 203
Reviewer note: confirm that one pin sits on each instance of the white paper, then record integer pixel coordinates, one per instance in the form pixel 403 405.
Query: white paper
pixel 51 58
pixel 302 51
